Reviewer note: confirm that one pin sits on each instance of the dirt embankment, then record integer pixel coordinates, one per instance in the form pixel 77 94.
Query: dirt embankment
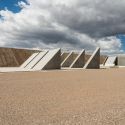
pixel 11 57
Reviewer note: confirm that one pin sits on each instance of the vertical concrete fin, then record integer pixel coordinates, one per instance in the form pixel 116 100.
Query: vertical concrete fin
pixel 51 60
pixel 79 62
pixel 28 60
pixel 94 60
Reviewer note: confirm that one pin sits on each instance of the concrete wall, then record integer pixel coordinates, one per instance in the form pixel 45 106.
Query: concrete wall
pixel 69 59
pixel 94 60
pixel 121 60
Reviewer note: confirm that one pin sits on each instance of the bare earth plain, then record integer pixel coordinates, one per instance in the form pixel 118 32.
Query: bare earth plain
pixel 77 97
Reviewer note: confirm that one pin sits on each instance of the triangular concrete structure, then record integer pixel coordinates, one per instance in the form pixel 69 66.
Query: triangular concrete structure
pixel 111 61
pixel 94 60
pixel 29 60
pixel 79 62
pixel 51 60
pixel 36 60
pixel 69 59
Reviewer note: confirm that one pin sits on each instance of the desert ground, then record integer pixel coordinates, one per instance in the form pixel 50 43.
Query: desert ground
pixel 74 97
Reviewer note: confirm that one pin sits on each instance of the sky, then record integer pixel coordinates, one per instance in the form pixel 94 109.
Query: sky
pixel 67 24
pixel 11 5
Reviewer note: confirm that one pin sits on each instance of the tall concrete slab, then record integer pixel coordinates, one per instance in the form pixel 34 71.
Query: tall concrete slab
pixel 69 59
pixel 94 60
pixel 64 55
pixel 111 61
pixel 52 60
pixel 29 60
pixel 121 60
pixel 79 62
pixel 36 60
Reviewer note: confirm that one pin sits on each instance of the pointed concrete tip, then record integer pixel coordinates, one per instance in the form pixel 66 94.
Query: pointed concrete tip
pixel 57 49
pixel 97 48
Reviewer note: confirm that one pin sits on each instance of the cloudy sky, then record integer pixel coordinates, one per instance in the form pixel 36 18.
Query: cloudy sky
pixel 69 24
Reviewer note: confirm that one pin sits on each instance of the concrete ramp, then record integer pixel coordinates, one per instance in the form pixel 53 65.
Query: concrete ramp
pixel 13 69
pixel 51 60
pixel 29 60
pixel 94 60
pixel 69 59
pixel 36 60
pixel 111 61
pixel 79 61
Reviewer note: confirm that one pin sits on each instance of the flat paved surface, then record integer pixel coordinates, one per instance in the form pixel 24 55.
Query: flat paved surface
pixel 80 97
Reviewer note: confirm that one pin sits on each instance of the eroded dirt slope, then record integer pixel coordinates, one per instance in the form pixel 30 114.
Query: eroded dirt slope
pixel 11 57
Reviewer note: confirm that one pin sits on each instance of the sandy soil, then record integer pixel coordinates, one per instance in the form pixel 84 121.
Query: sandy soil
pixel 82 97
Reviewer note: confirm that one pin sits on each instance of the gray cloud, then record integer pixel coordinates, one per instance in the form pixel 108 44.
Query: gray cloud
pixel 97 18
pixel 68 24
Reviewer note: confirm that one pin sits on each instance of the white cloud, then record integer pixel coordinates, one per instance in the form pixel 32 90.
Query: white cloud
pixel 22 4
pixel 110 43
pixel 69 24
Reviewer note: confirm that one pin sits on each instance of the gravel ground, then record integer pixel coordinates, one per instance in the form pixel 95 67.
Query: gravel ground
pixel 79 97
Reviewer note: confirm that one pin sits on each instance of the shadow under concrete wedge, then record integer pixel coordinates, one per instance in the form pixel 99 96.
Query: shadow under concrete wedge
pixel 52 60
pixel 29 60
pixel 94 60
pixel 79 62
